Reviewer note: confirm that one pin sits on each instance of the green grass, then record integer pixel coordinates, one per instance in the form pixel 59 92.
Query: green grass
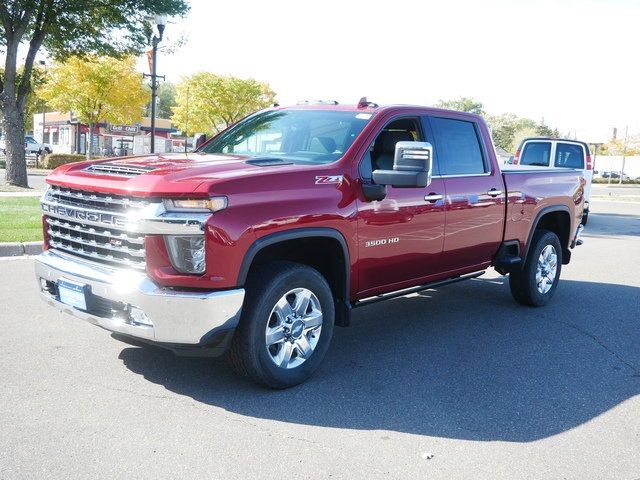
pixel 20 219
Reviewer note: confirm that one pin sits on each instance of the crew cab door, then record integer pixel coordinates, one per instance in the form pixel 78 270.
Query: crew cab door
pixel 475 203
pixel 400 238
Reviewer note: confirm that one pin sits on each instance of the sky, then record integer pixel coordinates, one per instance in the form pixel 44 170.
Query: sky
pixel 573 62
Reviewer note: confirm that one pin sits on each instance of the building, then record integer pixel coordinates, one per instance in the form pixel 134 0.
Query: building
pixel 66 134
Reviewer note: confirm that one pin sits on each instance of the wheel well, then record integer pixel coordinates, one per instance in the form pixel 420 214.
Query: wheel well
pixel 324 254
pixel 558 222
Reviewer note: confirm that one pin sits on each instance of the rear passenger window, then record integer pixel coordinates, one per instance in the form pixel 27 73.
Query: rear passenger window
pixel 536 153
pixel 569 155
pixel 457 147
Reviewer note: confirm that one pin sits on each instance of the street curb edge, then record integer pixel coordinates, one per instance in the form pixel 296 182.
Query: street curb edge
pixel 17 249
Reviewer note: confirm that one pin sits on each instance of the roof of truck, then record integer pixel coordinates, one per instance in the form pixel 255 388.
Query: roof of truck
pixel 370 108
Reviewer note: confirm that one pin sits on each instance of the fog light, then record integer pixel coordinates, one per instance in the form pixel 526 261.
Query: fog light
pixel 139 317
pixel 186 253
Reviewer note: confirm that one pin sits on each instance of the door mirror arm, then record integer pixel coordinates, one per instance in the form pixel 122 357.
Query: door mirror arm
pixel 374 191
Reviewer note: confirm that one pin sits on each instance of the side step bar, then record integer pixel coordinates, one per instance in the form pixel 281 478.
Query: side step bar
pixel 419 288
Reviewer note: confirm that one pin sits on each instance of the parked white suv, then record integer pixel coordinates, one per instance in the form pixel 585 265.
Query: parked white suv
pixel 32 146
pixel 539 152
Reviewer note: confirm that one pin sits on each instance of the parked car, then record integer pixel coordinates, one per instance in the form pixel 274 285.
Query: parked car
pixel 261 241
pixel 3 146
pixel 558 152
pixel 615 175
pixel 33 147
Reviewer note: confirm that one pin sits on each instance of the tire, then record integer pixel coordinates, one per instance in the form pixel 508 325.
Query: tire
pixel 270 289
pixel 524 285
pixel 585 217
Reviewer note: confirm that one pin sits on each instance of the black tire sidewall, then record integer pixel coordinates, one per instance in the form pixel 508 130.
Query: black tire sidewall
pixel 291 276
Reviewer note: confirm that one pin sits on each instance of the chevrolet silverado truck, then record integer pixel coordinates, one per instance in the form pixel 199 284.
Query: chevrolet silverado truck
pixel 258 243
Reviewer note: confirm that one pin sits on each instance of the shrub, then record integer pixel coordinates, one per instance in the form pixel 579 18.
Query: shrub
pixel 614 181
pixel 54 160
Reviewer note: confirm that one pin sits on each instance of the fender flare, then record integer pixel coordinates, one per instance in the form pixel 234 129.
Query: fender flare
pixel 295 234
pixel 534 226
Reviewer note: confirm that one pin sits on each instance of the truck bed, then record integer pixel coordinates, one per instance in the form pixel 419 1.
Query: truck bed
pixel 531 191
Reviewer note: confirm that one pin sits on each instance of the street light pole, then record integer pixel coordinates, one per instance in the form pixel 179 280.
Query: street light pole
pixel 161 22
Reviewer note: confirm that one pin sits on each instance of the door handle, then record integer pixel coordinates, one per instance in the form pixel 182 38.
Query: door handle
pixel 494 192
pixel 433 197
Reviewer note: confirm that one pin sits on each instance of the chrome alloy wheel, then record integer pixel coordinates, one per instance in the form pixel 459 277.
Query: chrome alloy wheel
pixel 546 269
pixel 294 328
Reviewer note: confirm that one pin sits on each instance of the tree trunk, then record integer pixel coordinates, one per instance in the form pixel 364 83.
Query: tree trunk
pixel 16 162
pixel 89 142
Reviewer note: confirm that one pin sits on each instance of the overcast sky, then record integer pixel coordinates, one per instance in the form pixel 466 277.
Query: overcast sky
pixel 575 62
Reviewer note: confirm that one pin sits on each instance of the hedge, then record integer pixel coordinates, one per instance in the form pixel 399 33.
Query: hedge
pixel 615 181
pixel 54 160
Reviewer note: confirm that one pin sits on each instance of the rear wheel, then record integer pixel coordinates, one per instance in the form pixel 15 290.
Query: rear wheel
pixel 536 283
pixel 286 325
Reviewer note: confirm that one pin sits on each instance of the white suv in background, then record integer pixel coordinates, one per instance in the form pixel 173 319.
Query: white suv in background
pixel 558 152
pixel 32 146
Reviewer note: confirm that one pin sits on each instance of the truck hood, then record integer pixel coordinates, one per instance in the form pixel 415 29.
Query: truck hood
pixel 171 174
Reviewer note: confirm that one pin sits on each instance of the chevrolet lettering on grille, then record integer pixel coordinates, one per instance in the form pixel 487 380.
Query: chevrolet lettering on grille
pixel 104 218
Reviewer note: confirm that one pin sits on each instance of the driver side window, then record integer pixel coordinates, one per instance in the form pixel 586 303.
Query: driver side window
pixel 380 154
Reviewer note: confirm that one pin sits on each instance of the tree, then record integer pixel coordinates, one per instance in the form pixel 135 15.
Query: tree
pixel 63 28
pixel 97 89
pixel 206 102
pixel 616 146
pixel 166 100
pixel 462 104
pixel 507 130
pixel 33 103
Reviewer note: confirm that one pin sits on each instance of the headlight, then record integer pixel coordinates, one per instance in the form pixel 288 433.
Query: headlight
pixel 203 205
pixel 186 252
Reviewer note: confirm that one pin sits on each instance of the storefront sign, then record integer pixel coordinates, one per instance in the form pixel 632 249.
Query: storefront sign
pixel 124 129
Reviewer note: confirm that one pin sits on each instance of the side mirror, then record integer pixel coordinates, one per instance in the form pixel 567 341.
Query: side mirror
pixel 411 166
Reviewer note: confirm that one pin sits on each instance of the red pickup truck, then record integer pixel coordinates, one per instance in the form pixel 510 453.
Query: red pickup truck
pixel 261 241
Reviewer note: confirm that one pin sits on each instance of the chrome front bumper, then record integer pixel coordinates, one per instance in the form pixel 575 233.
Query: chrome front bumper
pixel 170 316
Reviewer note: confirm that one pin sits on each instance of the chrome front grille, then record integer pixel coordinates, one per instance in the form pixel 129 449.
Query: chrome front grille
pixel 94 226
pixel 79 198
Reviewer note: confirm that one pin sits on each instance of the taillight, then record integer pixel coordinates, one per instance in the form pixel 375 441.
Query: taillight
pixel 516 158
pixel 589 163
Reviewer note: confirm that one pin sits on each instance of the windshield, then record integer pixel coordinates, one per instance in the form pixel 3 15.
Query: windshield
pixel 295 136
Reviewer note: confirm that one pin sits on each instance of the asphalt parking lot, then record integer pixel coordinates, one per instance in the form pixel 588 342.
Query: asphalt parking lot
pixel 460 382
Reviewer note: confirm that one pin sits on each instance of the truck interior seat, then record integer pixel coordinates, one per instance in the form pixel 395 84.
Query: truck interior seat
pixel 385 147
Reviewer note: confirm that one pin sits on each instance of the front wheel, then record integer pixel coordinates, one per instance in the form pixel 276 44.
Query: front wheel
pixel 536 283
pixel 286 325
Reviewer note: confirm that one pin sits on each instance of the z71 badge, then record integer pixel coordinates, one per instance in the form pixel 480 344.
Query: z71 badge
pixel 323 179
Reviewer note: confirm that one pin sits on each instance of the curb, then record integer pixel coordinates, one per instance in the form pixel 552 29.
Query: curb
pixel 20 194
pixel 17 249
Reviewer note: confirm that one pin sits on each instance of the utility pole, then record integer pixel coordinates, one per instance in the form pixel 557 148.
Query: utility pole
pixel 624 153
pixel 161 22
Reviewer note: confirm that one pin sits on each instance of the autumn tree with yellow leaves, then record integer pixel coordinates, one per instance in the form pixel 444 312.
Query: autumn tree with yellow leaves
pixel 97 89
pixel 209 103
